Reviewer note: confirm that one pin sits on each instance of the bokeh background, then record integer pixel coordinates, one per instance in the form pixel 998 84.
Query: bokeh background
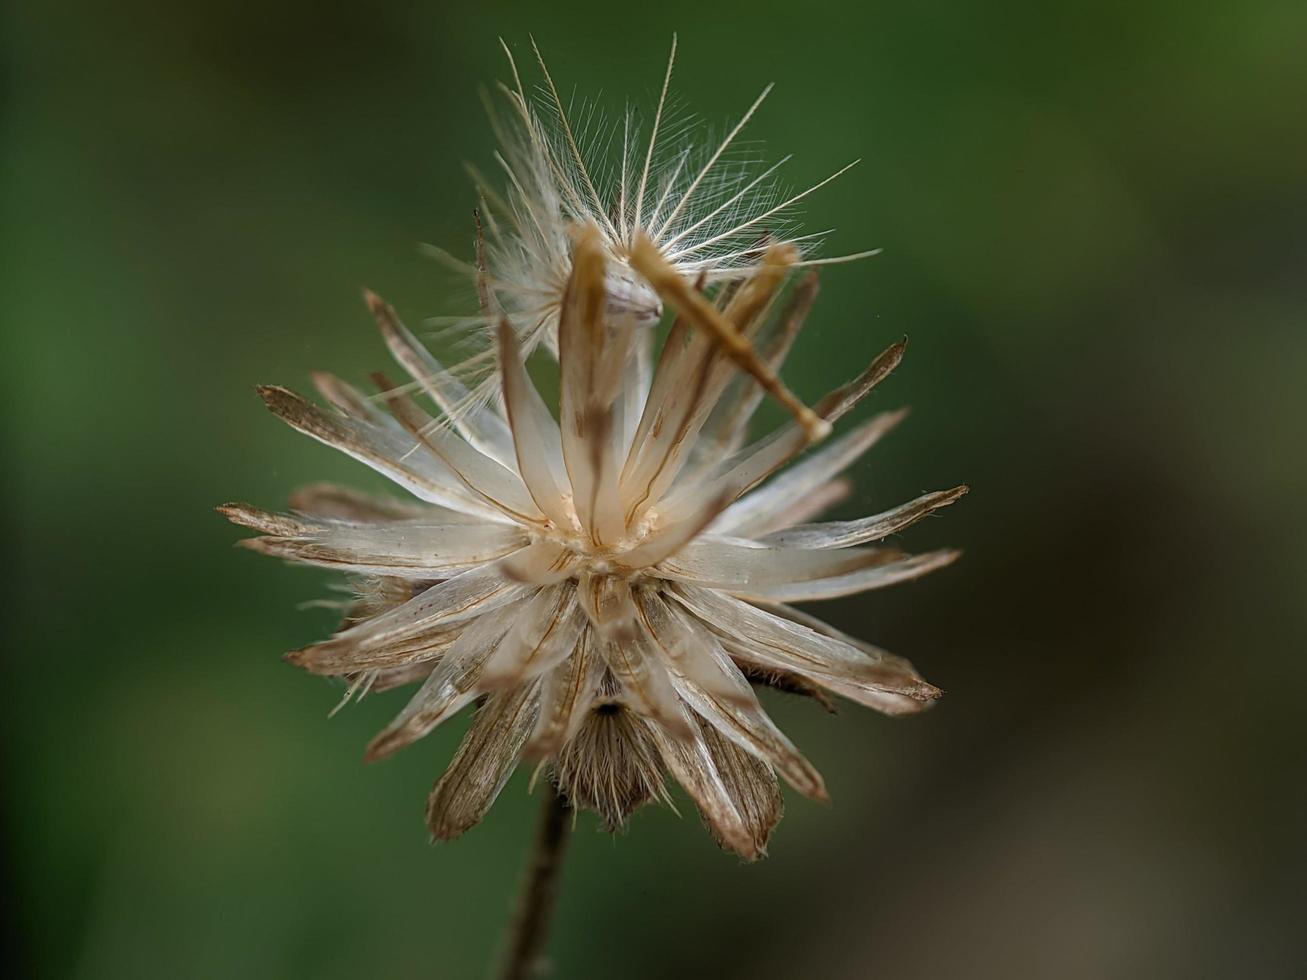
pixel 1093 221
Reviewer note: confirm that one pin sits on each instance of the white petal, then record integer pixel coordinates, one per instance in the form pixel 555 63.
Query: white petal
pixel 569 689
pixel 760 637
pixel 635 387
pixel 535 434
pixel 385 448
pixel 696 378
pixel 486 479
pixel 863 693
pixel 646 687
pixel 606 600
pixel 340 503
pixel 745 469
pixel 744 517
pixel 685 651
pixel 337 657
pixel 544 633
pixel 451 686
pixel 666 541
pixel 742 566
pixel 458 599
pixel 699 375
pixel 725 431
pixel 478 424
pixel 804 509
pixel 543 562
pixel 407 549
pixel 852 582
pixel 711 684
pixel 843 534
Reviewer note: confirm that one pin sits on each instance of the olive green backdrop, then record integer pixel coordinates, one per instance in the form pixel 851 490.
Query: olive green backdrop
pixel 1093 221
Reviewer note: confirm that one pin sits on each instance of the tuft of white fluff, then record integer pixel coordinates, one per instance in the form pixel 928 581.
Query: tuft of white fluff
pixel 708 205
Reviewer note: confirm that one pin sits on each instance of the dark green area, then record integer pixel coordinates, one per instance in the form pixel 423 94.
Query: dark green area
pixel 1093 220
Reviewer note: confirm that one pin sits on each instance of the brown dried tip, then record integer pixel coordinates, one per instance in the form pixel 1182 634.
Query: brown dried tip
pixel 695 307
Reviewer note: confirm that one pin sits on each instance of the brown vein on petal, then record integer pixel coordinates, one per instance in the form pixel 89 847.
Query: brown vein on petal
pixel 305 417
pixel 555 729
pixel 412 419
pixel 485 758
pixel 691 762
pixel 752 789
pixel 629 674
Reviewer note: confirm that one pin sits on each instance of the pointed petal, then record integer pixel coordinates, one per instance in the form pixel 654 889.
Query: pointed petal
pixel 670 539
pixel 340 503
pixel 451 686
pixel 854 581
pixel 485 759
pixel 804 509
pixel 691 761
pixel 606 600
pixel 673 289
pixel 843 534
pixel 478 424
pixel 535 435
pixel 758 509
pixel 391 678
pixel 591 361
pixel 753 791
pixel 386 449
pixel 336 658
pixel 724 433
pixel 655 460
pixel 726 700
pixel 406 549
pixel 741 566
pixel 569 690
pixel 685 652
pixel 872 697
pixel 753 464
pixel 760 637
pixel 695 376
pixel 670 371
pixel 646 686
pixel 463 597
pixel 544 633
pixel 485 479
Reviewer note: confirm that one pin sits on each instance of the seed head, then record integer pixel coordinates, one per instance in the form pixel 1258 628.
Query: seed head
pixel 608 582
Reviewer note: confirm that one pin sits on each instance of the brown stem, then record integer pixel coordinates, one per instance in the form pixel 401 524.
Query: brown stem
pixel 535 909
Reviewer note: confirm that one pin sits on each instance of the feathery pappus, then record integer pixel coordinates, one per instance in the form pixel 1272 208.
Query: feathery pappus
pixel 610 582
pixel 708 206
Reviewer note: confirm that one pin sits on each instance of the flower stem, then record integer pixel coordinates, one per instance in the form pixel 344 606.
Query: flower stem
pixel 535 909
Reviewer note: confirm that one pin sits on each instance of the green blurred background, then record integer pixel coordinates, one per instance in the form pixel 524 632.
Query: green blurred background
pixel 1093 220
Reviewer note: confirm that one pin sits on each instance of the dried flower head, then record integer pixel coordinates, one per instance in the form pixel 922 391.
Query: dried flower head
pixel 711 212
pixel 608 585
